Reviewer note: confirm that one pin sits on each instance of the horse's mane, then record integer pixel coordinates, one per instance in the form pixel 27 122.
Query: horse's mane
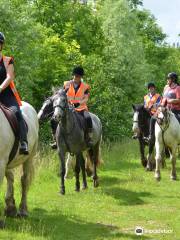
pixel 138 107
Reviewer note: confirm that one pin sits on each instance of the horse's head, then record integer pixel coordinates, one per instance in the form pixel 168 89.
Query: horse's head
pixel 60 104
pixel 46 110
pixel 140 118
pixel 162 115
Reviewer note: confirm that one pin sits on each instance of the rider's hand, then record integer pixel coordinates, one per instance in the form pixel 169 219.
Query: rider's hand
pixel 170 100
pixel 76 105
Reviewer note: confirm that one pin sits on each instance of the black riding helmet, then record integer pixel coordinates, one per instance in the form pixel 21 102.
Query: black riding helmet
pixel 150 84
pixel 2 38
pixel 173 76
pixel 78 71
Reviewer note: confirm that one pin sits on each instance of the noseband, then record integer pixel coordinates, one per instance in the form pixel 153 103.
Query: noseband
pixel 165 120
pixel 140 125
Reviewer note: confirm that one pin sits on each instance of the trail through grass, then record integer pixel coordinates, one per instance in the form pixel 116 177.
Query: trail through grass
pixel 127 197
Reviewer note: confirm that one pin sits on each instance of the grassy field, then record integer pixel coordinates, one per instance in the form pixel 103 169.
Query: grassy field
pixel 127 197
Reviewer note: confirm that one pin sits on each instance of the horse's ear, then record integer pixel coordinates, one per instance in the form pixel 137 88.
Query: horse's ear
pixel 133 106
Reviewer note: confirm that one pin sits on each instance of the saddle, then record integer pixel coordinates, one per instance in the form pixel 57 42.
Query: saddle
pixel 177 115
pixel 11 117
pixel 81 121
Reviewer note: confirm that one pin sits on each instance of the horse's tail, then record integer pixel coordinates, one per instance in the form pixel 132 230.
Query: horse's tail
pixel 32 162
pixel 94 155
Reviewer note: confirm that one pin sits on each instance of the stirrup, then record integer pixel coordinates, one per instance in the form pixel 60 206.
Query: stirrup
pixel 23 149
pixel 53 145
pixel 148 139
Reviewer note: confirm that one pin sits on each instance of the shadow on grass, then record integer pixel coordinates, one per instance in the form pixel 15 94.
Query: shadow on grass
pixel 107 181
pixel 55 226
pixel 127 197
pixel 122 165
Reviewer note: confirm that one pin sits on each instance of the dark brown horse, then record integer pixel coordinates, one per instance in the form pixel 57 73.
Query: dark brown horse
pixel 141 121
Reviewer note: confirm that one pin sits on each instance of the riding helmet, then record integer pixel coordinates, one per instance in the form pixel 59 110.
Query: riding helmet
pixel 78 71
pixel 172 76
pixel 2 37
pixel 150 84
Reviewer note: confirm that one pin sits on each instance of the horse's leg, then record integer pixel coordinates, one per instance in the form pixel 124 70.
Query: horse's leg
pixel 173 162
pixel 142 147
pixel 77 171
pixel 82 164
pixel 26 179
pixel 61 154
pixel 159 150
pixel 150 166
pixel 88 166
pixel 94 155
pixel 2 174
pixel 69 167
pixel 10 210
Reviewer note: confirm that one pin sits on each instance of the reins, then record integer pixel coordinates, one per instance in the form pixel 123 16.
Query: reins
pixel 65 133
pixel 164 129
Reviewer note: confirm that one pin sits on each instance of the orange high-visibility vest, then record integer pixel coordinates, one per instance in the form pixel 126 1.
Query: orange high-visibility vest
pixel 149 102
pixel 6 61
pixel 78 96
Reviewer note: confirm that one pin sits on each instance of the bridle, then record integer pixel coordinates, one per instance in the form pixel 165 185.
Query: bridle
pixel 165 119
pixel 166 126
pixel 44 106
pixel 139 125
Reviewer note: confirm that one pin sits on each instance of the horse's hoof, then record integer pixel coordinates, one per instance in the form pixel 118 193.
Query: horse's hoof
pixel 96 183
pixel 158 178
pixel 77 189
pixel 10 211
pixel 62 192
pixel 84 187
pixel 148 169
pixel 22 214
pixel 144 163
pixel 173 178
pixel 89 172
pixel 2 224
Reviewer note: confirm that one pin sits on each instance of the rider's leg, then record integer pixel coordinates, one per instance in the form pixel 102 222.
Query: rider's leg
pixel 10 102
pixel 54 125
pixel 151 137
pixel 152 129
pixel 89 128
pixel 22 129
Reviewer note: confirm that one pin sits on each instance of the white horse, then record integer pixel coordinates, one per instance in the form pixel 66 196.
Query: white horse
pixel 6 143
pixel 167 133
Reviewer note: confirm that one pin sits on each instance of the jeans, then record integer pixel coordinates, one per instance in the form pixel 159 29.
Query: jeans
pixel 152 126
pixel 11 103
pixel 87 117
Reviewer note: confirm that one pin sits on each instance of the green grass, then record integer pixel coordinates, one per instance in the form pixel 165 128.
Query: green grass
pixel 127 197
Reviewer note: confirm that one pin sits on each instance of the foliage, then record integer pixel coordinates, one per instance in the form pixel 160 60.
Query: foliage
pixel 119 44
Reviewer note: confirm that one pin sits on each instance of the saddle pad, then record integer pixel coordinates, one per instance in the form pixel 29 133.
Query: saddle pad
pixel 15 128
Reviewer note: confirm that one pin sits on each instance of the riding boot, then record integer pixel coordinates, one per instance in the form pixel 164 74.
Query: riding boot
pixel 90 137
pixel 23 149
pixel 151 137
pixel 135 136
pixel 53 144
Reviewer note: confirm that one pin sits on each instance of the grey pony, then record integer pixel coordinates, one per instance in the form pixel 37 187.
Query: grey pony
pixel 70 137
